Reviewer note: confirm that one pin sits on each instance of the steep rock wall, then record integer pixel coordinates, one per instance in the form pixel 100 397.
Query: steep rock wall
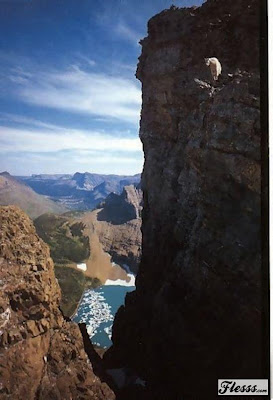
pixel 42 355
pixel 196 315
pixel 121 208
pixel 119 226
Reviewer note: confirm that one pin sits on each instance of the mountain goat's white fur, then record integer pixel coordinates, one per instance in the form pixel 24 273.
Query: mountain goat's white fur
pixel 215 67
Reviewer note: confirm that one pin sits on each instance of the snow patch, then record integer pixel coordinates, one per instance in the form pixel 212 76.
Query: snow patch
pixel 121 282
pixel 82 266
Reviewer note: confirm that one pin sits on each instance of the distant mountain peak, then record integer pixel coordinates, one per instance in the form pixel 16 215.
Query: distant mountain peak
pixel 119 209
pixel 5 173
pixel 15 192
pixel 82 190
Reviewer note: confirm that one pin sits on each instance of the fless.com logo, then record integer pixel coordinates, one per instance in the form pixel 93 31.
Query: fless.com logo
pixel 245 387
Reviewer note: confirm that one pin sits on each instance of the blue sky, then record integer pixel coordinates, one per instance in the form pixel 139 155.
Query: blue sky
pixel 69 100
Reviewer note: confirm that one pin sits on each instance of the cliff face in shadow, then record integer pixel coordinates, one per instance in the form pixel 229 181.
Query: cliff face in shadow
pixel 119 226
pixel 42 354
pixel 196 314
pixel 119 209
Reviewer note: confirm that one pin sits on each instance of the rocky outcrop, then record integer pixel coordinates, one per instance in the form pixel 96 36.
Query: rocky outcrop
pixel 122 242
pixel 119 226
pixel 196 315
pixel 115 229
pixel 42 354
pixel 122 208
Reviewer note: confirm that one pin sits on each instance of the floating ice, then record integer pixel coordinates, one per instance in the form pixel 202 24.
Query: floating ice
pixel 94 311
pixel 108 331
pixel 98 306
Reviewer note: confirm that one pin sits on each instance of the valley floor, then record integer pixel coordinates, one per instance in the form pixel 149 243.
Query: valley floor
pixel 99 263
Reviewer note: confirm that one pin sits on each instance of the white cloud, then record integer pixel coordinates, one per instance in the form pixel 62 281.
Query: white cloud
pixel 127 33
pixel 101 162
pixel 38 147
pixel 87 60
pixel 78 91
pixel 17 79
pixel 31 122
pixel 35 140
pixel 25 165
pixel 29 145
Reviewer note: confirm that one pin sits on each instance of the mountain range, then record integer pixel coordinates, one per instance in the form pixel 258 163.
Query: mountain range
pixel 15 192
pixel 81 191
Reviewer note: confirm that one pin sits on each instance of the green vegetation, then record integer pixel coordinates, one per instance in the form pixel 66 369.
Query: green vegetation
pixel 74 214
pixel 65 238
pixel 72 284
pixel 67 245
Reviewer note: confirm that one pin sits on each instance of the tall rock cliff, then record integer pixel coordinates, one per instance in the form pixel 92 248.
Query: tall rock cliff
pixel 41 354
pixel 196 314
pixel 119 226
pixel 122 208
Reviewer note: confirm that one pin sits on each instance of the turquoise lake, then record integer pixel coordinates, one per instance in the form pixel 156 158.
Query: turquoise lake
pixel 97 310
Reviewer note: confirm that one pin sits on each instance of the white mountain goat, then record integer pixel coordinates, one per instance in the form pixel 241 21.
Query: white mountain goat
pixel 215 67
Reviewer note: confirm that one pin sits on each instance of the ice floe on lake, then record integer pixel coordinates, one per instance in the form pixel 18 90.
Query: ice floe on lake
pixel 93 311
pixel 98 307
pixel 108 331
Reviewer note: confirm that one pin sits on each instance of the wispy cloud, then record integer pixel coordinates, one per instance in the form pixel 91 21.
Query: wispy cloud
pixel 128 33
pixel 27 121
pixel 62 162
pixel 88 61
pixel 35 140
pixel 78 91
pixel 96 129
pixel 34 146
